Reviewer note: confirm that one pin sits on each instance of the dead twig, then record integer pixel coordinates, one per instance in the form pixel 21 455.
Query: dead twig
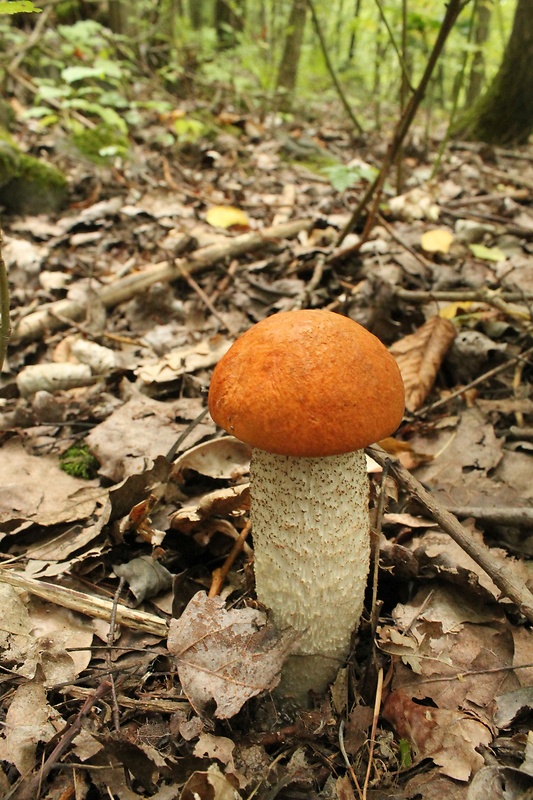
pixel 453 9
pixel 195 286
pixel 330 68
pixel 144 705
pixel 421 412
pixel 504 576
pixel 220 574
pixel 91 606
pixel 183 435
pixel 5 324
pixel 342 748
pixel 34 38
pixel 496 515
pixel 110 643
pixel 476 295
pixel 34 325
pixel 377 706
pixel 30 789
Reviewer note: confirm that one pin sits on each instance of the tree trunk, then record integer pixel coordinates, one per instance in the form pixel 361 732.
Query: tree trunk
pixel 477 69
pixel 504 114
pixel 229 19
pixel 196 14
pixel 117 16
pixel 288 68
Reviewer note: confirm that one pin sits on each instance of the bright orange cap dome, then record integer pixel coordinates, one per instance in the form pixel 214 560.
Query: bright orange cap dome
pixel 307 383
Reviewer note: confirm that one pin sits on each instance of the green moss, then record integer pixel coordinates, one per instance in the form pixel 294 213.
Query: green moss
pixel 39 172
pixel 9 162
pixel 79 462
pixel 7 115
pixel 101 144
pixel 5 136
pixel 36 188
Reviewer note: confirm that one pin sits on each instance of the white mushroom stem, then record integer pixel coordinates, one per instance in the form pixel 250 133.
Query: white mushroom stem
pixel 310 524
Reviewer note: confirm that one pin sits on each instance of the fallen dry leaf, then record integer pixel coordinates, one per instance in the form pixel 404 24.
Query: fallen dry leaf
pixel 211 784
pixel 463 456
pixel 438 240
pixel 29 720
pixel 227 217
pixel 225 656
pixel 212 507
pixel 145 577
pixel 143 428
pixel 419 357
pixel 449 738
pixel 455 651
pixel 183 360
pixel 35 489
pixel 226 457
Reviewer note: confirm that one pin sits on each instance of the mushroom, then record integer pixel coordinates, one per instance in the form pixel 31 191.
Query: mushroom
pixel 308 390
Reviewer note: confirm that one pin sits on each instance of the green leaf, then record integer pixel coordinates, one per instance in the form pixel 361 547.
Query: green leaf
pixel 19 7
pixel 85 32
pixel 405 754
pixel 108 68
pixel 79 73
pixel 487 253
pixel 189 130
pixel 342 177
pixel 36 112
pixel 108 115
pixel 53 92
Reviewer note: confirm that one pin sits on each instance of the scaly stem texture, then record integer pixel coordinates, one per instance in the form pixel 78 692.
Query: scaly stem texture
pixel 310 528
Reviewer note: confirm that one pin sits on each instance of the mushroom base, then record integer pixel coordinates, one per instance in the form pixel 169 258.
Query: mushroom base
pixel 311 541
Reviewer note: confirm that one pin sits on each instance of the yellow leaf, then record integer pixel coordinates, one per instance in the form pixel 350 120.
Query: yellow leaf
pixel 438 240
pixel 453 310
pixel 226 216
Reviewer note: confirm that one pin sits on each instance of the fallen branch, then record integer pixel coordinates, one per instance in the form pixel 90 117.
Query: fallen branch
pixel 5 322
pixel 52 316
pixel 91 606
pixel 461 296
pixel 496 515
pixel 31 787
pixel 505 578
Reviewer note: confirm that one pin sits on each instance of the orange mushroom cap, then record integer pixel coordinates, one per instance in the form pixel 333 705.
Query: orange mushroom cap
pixel 307 384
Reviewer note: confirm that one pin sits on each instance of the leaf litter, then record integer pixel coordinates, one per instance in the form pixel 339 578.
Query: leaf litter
pixel 164 691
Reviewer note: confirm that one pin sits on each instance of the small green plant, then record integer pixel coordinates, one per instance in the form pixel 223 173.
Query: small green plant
pixel 83 72
pixel 79 462
pixel 19 7
pixel 405 754
pixel 343 177
pixel 188 130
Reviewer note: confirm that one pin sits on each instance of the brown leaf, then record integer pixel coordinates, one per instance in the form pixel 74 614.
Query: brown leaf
pixel 449 738
pixel 454 649
pixel 419 357
pixel 225 656
pixel 211 784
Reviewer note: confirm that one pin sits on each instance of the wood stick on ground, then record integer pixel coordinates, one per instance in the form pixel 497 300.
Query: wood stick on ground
pixel 422 412
pixel 459 296
pixel 512 516
pixel 220 574
pixel 504 576
pixel 91 606
pixel 45 319
pixel 31 787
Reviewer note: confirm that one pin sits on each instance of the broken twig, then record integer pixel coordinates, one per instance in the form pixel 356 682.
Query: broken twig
pixel 505 578
pixel 91 606
pixel 49 317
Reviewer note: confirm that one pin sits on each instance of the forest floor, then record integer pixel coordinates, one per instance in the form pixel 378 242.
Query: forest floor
pixel 121 306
